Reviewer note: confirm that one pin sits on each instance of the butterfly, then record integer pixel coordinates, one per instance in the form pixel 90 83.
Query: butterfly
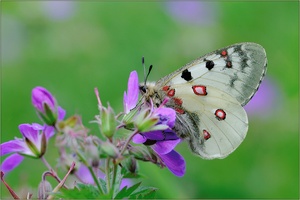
pixel 208 95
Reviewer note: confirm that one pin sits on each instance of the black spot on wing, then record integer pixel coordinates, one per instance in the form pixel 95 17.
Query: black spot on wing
pixel 186 75
pixel 209 64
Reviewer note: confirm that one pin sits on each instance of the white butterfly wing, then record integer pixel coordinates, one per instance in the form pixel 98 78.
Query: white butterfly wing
pixel 225 135
pixel 224 81
pixel 237 70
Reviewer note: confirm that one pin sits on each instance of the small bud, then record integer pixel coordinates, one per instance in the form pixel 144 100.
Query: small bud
pixel 45 105
pixel 144 122
pixel 131 165
pixel 140 152
pixel 108 121
pixel 109 149
pixel 128 118
pixel 44 189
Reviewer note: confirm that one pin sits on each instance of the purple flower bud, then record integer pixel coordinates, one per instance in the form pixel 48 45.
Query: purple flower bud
pixel 40 97
pixel 46 106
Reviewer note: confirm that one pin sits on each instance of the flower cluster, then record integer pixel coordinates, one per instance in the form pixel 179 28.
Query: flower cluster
pixel 35 136
pixel 102 161
pixel 155 129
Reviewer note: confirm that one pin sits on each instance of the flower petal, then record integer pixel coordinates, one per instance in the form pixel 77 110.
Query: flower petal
pixel 166 116
pixel 49 131
pixel 30 132
pixel 12 146
pixel 154 135
pixel 170 135
pixel 61 113
pixel 37 126
pixel 40 96
pixel 139 139
pixel 131 98
pixel 85 176
pixel 126 182
pixel 175 163
pixel 11 162
pixel 165 146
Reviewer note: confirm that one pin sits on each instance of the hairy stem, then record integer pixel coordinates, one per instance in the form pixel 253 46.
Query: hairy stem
pixel 114 179
pixel 128 141
pixel 46 163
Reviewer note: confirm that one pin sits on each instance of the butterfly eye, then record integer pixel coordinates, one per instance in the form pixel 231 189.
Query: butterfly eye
pixel 143 88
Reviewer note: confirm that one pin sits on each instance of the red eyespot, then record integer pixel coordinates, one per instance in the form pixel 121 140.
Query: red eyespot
pixel 171 93
pixel 224 53
pixel 206 134
pixel 199 90
pixel 220 114
pixel 166 88
pixel 177 101
pixel 179 110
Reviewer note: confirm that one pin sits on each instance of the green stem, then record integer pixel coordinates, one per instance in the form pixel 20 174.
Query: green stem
pixel 91 171
pixel 50 169
pixel 107 175
pixel 63 181
pixel 114 179
pixel 96 180
pixel 46 163
pixel 127 141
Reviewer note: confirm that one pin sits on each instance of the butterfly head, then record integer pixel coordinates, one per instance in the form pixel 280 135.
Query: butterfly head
pixel 147 89
pixel 149 92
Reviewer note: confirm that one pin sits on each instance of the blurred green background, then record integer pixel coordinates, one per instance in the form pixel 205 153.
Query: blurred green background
pixel 70 47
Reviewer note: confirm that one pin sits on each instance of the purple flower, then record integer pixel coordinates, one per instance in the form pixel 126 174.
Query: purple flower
pixel 132 95
pixel 155 126
pixel 84 175
pixel 46 106
pixel 163 143
pixel 33 144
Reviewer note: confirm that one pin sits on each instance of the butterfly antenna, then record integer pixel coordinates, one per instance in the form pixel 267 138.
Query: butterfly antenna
pixel 143 64
pixel 145 75
pixel 150 68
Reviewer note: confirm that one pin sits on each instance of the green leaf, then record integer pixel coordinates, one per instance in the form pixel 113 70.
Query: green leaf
pixel 144 193
pixel 126 192
pixel 127 174
pixel 84 191
pixel 103 185
pixel 150 195
pixel 118 180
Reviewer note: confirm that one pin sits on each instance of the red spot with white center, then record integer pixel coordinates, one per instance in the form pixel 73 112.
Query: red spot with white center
pixel 224 53
pixel 171 93
pixel 206 134
pixel 166 88
pixel 177 101
pixel 220 114
pixel 199 90
pixel 179 110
